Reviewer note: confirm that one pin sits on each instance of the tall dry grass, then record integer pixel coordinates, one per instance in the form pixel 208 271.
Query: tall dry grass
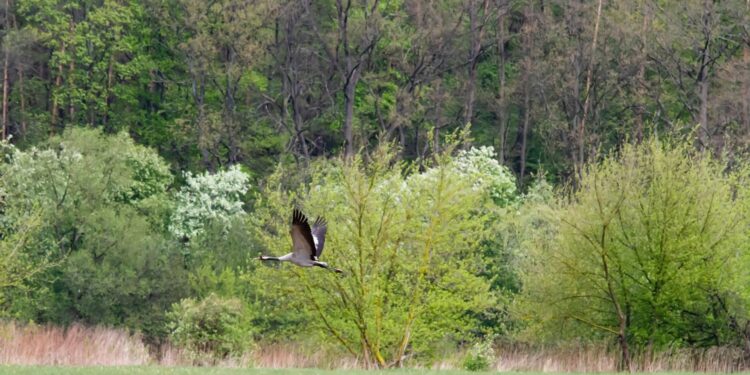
pixel 86 346
pixel 513 358
pixel 295 356
pixel 74 346
pixel 168 355
pixel 598 358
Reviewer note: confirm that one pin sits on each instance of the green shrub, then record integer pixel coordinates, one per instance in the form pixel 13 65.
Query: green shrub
pixel 102 205
pixel 650 251
pixel 408 242
pixel 480 356
pixel 211 329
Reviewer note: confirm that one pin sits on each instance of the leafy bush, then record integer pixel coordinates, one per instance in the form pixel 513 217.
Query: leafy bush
pixel 408 243
pixel 649 251
pixel 17 263
pixel 101 200
pixel 210 329
pixel 480 357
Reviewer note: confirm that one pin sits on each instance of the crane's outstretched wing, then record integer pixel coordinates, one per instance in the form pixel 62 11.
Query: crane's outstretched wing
pixel 303 244
pixel 319 228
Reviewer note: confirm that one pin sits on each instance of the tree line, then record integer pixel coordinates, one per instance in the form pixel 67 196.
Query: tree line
pixel 549 84
pixel 649 253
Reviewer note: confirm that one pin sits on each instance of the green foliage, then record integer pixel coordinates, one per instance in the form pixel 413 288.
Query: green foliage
pixel 480 357
pixel 408 244
pixel 648 249
pixel 211 329
pixel 17 263
pixel 102 200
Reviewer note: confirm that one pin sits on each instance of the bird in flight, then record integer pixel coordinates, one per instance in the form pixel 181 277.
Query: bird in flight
pixel 307 243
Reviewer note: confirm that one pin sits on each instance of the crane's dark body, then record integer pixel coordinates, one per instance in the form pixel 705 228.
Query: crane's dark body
pixel 307 242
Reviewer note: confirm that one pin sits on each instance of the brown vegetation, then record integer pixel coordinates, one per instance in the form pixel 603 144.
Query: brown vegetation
pixel 73 346
pixel 598 358
pixel 78 345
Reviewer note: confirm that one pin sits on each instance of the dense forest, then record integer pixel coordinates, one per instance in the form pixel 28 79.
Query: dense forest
pixel 549 84
pixel 525 171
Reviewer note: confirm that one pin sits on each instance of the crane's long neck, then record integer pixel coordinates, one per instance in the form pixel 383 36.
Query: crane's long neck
pixel 263 257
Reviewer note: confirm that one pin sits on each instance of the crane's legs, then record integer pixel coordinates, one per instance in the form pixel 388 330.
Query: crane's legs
pixel 326 266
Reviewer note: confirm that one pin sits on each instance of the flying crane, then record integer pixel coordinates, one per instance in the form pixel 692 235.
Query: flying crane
pixel 307 243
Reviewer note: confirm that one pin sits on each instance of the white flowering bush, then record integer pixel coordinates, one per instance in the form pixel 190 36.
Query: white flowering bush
pixel 113 166
pixel 480 165
pixel 28 175
pixel 207 197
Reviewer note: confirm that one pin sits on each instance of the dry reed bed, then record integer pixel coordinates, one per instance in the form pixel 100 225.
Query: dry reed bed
pixel 597 358
pixel 86 346
pixel 278 356
pixel 75 346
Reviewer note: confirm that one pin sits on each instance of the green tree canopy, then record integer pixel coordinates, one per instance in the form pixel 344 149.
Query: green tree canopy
pixel 408 243
pixel 648 251
pixel 103 203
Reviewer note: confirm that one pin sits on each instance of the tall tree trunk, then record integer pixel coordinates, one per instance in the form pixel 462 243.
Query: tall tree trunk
pixel 528 31
pixel 349 87
pixel 291 88
pixel 622 319
pixel 351 75
pixel 55 92
pixel 6 63
pixel 502 128
pixel 622 338
pixel 4 132
pixel 524 131
pixel 703 136
pixel 71 75
pixel 294 91
pixel 22 102
pixel 438 118
pixel 477 32
pixel 587 90
pixel 746 68
pixel 202 121
pixel 108 99
pixel 576 56
pixel 641 77
pixel 299 130
pixel 231 128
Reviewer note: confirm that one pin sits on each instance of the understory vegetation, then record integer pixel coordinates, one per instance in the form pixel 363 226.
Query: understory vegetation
pixel 646 255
